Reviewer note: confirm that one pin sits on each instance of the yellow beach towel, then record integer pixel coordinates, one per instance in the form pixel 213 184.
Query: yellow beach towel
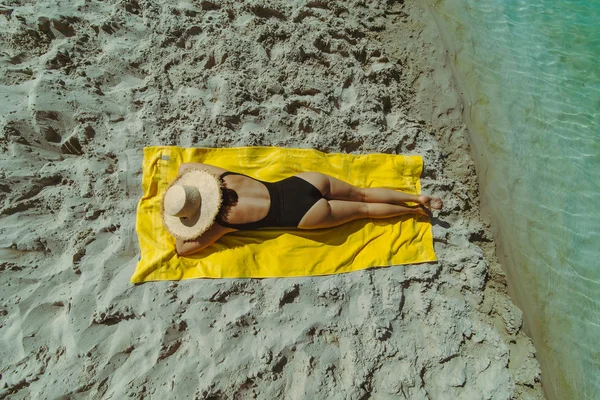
pixel 282 252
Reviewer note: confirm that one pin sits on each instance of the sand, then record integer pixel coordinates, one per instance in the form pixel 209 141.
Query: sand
pixel 87 84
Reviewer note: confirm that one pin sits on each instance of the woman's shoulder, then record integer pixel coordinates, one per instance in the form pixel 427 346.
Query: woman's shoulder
pixel 207 167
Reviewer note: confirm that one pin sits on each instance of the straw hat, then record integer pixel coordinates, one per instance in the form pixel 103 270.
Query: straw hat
pixel 191 204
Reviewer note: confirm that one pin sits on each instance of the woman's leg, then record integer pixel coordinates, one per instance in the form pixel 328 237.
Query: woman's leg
pixel 335 189
pixel 329 213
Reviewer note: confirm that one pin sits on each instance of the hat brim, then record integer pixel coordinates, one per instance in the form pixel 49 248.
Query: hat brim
pixel 209 186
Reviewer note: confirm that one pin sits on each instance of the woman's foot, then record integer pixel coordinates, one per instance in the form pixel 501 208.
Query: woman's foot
pixel 435 203
pixel 422 210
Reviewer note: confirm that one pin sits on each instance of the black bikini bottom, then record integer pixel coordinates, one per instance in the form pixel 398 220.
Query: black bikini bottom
pixel 294 198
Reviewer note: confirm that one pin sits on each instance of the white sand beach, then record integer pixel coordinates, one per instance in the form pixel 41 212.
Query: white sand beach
pixel 86 84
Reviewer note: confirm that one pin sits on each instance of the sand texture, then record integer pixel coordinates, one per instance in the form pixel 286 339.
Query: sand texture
pixel 85 85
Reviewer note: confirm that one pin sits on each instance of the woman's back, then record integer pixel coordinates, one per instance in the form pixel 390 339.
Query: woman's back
pixel 253 200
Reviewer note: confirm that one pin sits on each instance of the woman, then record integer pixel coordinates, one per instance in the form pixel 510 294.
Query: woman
pixel 206 202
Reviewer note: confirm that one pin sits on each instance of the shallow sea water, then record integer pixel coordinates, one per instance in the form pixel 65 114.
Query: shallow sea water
pixel 530 76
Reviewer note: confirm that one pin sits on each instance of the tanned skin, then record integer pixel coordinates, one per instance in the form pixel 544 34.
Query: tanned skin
pixel 342 203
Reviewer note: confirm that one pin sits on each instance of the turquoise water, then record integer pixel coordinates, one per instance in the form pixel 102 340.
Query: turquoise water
pixel 530 76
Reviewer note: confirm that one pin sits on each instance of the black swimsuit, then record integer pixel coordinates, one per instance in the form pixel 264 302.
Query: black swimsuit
pixel 291 198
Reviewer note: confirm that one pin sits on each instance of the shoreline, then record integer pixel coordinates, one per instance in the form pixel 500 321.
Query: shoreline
pixel 338 78
pixel 504 147
pixel 440 42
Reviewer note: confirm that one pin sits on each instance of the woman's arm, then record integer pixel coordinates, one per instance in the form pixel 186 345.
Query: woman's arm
pixel 213 234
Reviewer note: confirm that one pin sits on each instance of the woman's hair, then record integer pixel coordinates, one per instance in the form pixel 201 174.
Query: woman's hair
pixel 229 199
